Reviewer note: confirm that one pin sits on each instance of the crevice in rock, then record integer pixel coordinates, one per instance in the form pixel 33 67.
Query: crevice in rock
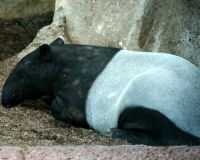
pixel 147 24
pixel 16 34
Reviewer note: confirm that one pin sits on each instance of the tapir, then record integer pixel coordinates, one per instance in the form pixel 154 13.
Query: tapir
pixel 142 97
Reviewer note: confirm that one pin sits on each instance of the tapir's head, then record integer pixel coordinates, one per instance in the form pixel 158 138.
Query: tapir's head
pixel 30 79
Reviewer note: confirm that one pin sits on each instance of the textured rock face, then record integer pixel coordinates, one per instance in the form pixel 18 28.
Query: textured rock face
pixel 141 25
pixel 10 9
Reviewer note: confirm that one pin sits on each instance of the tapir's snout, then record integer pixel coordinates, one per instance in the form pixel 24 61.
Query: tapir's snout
pixel 5 104
pixel 10 97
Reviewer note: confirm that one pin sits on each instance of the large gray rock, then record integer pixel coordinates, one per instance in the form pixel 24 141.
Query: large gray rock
pixel 141 25
pixel 10 9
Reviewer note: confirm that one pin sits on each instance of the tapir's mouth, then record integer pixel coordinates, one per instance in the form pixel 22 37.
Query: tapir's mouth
pixel 10 99
pixel 10 103
pixel 7 105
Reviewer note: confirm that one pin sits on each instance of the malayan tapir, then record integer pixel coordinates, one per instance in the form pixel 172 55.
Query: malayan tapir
pixel 144 98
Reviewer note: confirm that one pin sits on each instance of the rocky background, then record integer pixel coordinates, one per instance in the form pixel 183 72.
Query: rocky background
pixel 11 9
pixel 142 25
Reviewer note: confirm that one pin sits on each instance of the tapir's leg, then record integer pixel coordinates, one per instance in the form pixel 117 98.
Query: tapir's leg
pixel 61 110
pixel 140 125
pixel 58 108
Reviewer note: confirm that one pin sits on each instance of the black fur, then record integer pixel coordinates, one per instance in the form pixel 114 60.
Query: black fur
pixel 62 81
pixel 74 79
pixel 141 125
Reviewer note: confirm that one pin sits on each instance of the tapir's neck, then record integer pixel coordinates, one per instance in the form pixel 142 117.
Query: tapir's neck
pixel 77 66
pixel 75 70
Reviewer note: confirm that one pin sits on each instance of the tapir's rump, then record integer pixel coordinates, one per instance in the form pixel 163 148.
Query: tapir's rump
pixel 164 82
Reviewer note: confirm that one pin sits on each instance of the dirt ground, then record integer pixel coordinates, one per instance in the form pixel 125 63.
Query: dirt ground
pixel 31 123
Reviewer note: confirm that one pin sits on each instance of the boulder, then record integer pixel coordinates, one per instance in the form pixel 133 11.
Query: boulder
pixel 10 9
pixel 140 25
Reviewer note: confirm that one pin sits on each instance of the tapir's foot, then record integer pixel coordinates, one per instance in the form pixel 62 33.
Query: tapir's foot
pixel 120 133
pixel 131 137
pixel 114 133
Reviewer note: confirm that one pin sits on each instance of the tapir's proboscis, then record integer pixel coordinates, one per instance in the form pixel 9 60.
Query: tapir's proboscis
pixel 143 97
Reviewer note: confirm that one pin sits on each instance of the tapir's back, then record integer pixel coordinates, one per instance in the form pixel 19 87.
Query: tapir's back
pixel 164 82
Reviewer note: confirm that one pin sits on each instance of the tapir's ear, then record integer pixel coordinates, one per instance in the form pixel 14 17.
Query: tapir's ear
pixel 45 51
pixel 59 41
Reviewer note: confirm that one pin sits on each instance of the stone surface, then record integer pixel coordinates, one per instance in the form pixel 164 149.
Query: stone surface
pixel 99 152
pixel 141 25
pixel 11 153
pixel 10 9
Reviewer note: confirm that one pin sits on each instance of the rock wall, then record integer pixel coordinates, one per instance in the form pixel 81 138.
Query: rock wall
pixel 141 25
pixel 10 9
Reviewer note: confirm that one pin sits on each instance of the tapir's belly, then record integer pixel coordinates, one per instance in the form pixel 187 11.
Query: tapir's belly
pixel 162 82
